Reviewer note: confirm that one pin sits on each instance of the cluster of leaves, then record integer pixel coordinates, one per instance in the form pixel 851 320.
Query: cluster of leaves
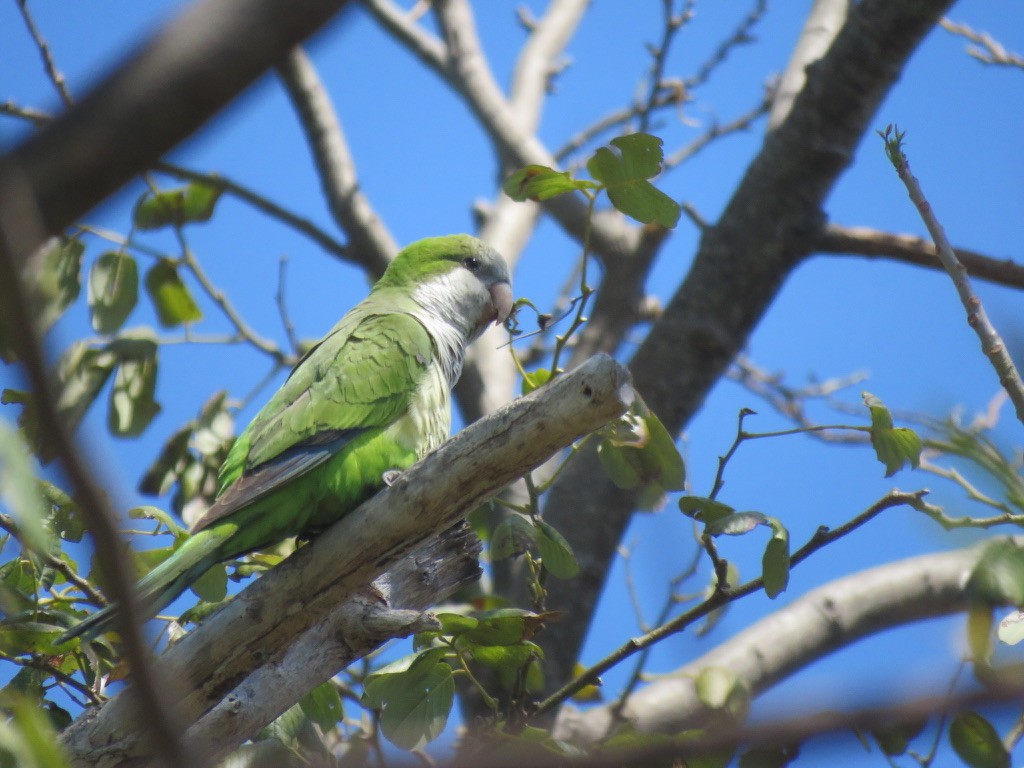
pixel 129 355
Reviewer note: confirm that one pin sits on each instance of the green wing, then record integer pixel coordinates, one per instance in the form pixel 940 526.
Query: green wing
pixel 360 376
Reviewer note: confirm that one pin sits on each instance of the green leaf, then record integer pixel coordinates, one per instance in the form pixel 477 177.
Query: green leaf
pixel 625 177
pixel 638 453
pixel 894 446
pixel 769 757
pixel 538 182
pixel 212 586
pixel 998 577
pixel 63 518
pixel 416 702
pixel 132 406
pixel 323 706
pixel 168 466
pixel 507 660
pixel 714 685
pixel 80 374
pixel 775 564
pixel 214 427
pixel 535 379
pixel 736 524
pixel 707 511
pixel 556 552
pixel 512 536
pixel 113 290
pixel 1011 628
pixel 19 489
pixel 506 626
pixel 621 466
pixel 200 201
pixel 977 742
pixel 894 740
pixel 55 280
pixel 980 619
pixel 26 736
pixel 170 296
pixel 174 207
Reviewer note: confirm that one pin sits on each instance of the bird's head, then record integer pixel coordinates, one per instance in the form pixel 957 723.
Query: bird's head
pixel 457 278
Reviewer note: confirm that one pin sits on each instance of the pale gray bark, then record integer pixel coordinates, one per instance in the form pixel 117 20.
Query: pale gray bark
pixel 295 598
pixel 818 623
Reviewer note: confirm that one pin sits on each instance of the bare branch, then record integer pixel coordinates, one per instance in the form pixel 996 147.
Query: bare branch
pixel 991 342
pixel 822 621
pixel 370 242
pixel 537 60
pixel 717 131
pixel 872 243
pixel 44 50
pixel 740 36
pixel 987 49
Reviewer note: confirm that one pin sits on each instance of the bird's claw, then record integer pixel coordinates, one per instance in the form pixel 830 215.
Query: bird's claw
pixel 390 476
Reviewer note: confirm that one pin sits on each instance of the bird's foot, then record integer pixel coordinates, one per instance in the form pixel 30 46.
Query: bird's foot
pixel 390 476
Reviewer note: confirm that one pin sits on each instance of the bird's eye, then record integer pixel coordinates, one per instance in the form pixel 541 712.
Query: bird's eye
pixel 472 263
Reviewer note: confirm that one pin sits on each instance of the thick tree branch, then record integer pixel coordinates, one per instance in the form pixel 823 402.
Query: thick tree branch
pixel 295 597
pixel 537 61
pixel 872 243
pixel 370 241
pixel 823 23
pixel 766 229
pixel 392 607
pixel 156 99
pixel 822 621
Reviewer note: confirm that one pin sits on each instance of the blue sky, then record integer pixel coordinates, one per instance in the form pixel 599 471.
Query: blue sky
pixel 423 162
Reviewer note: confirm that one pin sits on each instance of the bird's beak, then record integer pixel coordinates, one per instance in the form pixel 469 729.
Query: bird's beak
pixel 501 298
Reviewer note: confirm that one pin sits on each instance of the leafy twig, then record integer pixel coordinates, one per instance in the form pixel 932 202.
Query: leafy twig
pixel 721 597
pixel 69 573
pixel 991 342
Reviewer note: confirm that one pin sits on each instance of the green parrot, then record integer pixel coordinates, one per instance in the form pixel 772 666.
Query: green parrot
pixel 372 396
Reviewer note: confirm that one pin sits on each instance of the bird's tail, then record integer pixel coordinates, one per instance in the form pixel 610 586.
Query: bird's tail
pixel 159 587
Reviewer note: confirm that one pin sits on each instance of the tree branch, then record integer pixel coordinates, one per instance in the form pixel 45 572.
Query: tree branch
pixel 992 343
pixel 822 621
pixel 294 598
pixel 872 243
pixel 764 232
pixel 152 102
pixel 371 245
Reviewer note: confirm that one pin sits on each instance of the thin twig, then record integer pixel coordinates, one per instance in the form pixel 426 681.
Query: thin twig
pixel 43 665
pixel 282 307
pixel 717 131
pixel 991 342
pixel 44 50
pixel 721 597
pixel 987 50
pixel 219 298
pixel 740 36
pixel 671 26
pixel 7 523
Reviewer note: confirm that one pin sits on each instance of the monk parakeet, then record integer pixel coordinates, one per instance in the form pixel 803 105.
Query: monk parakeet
pixel 372 396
